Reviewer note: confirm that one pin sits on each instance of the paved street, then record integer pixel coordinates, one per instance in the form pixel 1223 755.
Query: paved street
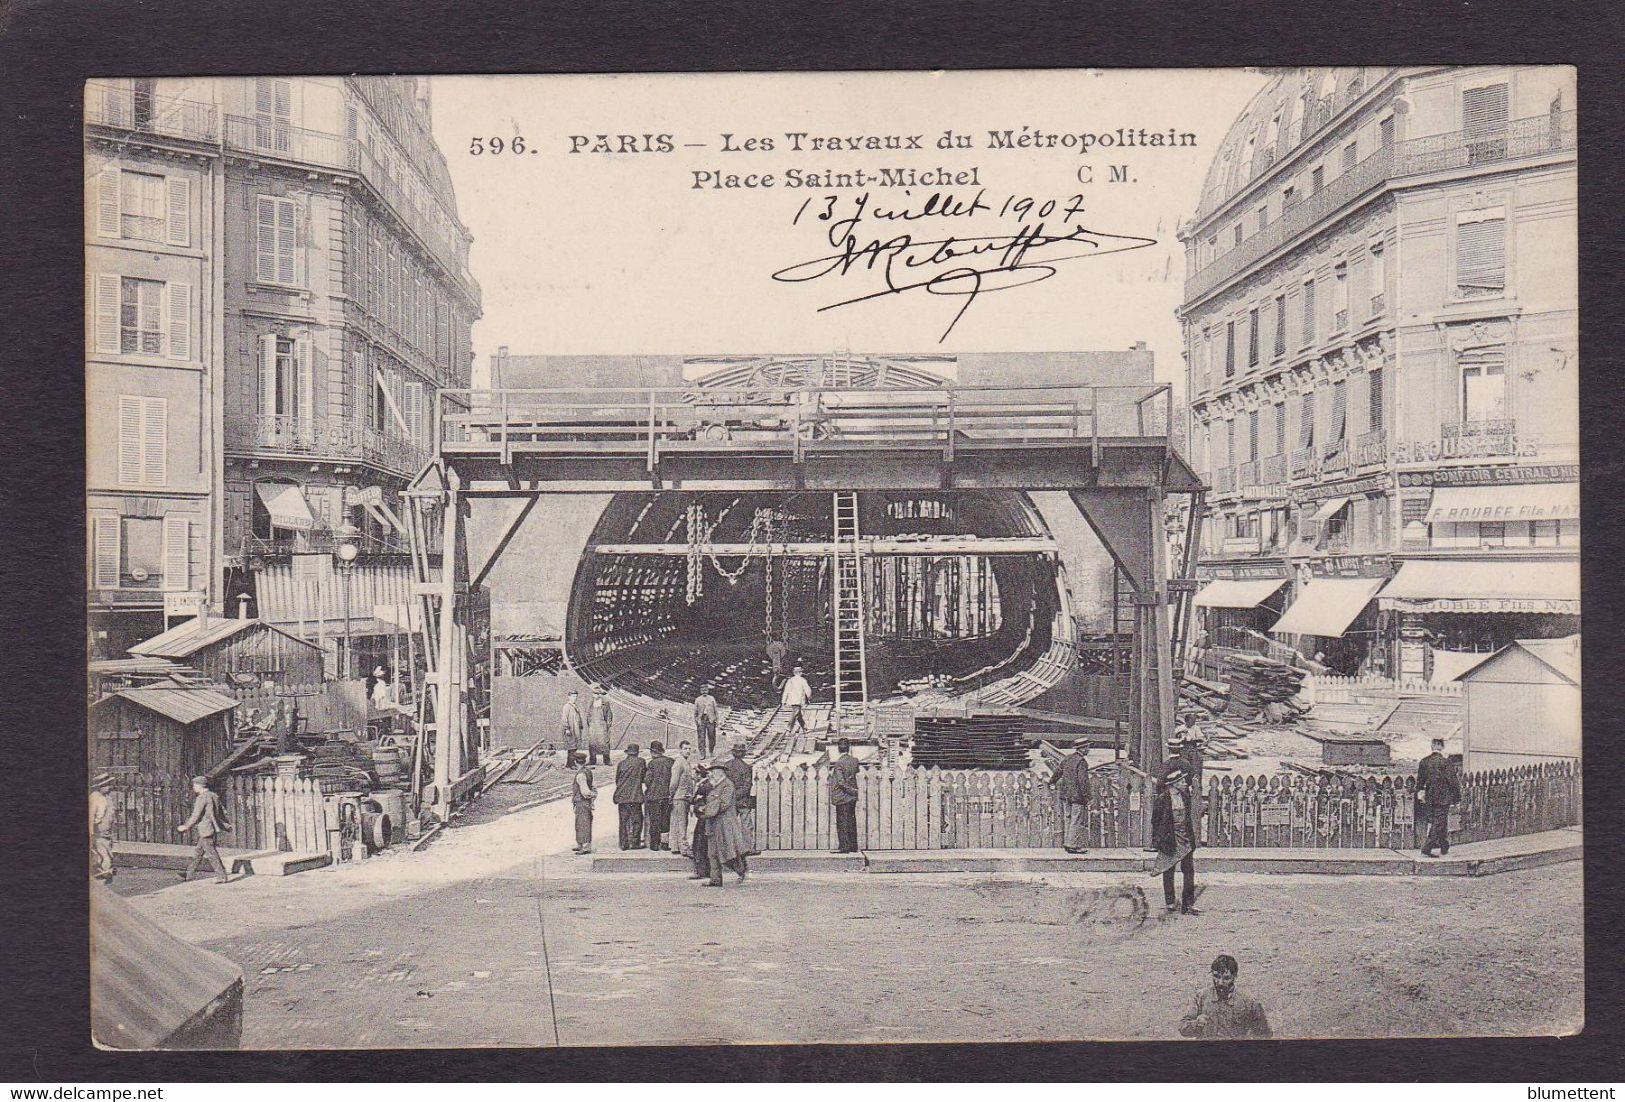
pixel 498 935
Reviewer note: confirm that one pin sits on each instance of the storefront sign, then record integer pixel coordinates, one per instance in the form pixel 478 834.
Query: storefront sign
pixel 1353 566
pixel 1371 485
pixel 1474 476
pixel 1554 606
pixel 1242 571
pixel 1463 447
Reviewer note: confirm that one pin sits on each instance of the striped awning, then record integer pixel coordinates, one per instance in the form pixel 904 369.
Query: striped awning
pixel 286 504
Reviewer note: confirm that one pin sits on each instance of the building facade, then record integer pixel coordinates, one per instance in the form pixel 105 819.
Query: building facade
pixel 340 302
pixel 1381 327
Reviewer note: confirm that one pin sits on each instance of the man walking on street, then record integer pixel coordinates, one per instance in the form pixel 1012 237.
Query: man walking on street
pixel 796 695
pixel 1071 783
pixel 843 793
pixel 657 795
pixel 742 776
pixel 629 797
pixel 1174 835
pixel 572 728
pixel 725 847
pixel 209 820
pixel 1437 789
pixel 682 797
pixel 705 721
pixel 1222 1011
pixel 582 795
pixel 600 721
pixel 101 827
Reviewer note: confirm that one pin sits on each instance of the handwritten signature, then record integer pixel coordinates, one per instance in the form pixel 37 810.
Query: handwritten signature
pixel 962 265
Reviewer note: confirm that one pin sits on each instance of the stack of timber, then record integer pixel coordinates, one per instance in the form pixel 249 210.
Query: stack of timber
pixel 1262 688
pixel 1212 697
pixel 969 742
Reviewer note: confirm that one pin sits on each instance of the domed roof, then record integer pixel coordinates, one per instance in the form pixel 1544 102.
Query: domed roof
pixel 1273 124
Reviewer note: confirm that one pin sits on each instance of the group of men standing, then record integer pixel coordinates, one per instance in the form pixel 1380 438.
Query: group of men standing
pixel 587 733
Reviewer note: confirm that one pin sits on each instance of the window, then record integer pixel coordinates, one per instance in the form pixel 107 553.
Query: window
pixel 1229 349
pixel 1340 415
pixel 1252 337
pixel 140 316
pixel 141 563
pixel 1308 311
pixel 1230 442
pixel 1483 384
pixel 141 207
pixel 1492 535
pixel 1280 428
pixel 287 381
pixel 143 441
pixel 276 241
pixel 1340 298
pixel 1375 408
pixel 1337 528
pixel 1481 252
pixel 1350 152
pixel 1317 180
pixel 442 333
pixel 142 93
pixel 1306 423
pixel 272 108
pixel 1289 199
pixel 1252 436
pixel 1237 233
pixel 1484 121
pixel 1379 278
pixel 1280 325
pixel 375 276
pixel 1543 533
pixel 1385 131
pixel 1263 218
pixel 1272 136
pixel 140 552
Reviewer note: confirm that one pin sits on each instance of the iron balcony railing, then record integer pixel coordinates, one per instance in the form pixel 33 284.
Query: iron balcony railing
pixel 1272 470
pixel 270 137
pixel 1371 449
pixel 1379 303
pixel 145 113
pixel 1247 475
pixel 1224 480
pixel 1336 457
pixel 320 541
pixel 325 438
pixel 795 421
pixel 1553 132
pixel 1303 460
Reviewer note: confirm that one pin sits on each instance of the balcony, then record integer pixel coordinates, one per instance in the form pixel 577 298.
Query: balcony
pixel 332 440
pixel 1303 461
pixel 1247 475
pixel 145 113
pixel 1472 439
pixel 1224 480
pixel 1379 305
pixel 320 541
pixel 1531 137
pixel 1371 449
pixel 1272 470
pixel 276 139
pixel 1336 457
pixel 1340 321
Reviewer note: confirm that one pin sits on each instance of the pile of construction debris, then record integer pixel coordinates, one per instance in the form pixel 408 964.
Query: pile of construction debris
pixel 1254 688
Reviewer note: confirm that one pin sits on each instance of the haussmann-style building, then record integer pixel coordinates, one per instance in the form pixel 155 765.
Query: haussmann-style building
pixel 1380 317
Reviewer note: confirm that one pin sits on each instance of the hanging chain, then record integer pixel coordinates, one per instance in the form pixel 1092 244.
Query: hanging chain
pixel 767 601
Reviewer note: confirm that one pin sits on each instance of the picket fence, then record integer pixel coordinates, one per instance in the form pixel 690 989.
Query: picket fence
pixel 952 809
pixel 1331 688
pixel 265 812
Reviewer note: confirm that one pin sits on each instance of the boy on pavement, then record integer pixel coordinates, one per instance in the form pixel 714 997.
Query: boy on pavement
pixel 1222 1011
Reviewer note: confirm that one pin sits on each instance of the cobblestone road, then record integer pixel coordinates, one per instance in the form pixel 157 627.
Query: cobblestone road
pixel 494 937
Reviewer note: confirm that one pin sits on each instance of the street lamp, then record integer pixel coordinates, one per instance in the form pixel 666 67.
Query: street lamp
pixel 346 550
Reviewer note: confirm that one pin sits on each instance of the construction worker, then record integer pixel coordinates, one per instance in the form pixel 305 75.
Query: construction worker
pixel 600 720
pixel 572 726
pixel 101 827
pixel 796 695
pixel 1071 782
pixel 582 796
pixel 705 721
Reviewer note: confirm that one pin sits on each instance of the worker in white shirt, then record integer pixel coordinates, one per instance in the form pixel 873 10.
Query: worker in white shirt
pixel 796 695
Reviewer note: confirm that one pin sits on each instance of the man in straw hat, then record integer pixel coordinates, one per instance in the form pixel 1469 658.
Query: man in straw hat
pixel 101 827
pixel 725 845
pixel 1173 833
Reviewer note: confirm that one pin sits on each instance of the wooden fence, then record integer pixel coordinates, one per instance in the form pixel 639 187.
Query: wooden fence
pixel 329 706
pixel 1330 688
pixel 953 809
pixel 265 812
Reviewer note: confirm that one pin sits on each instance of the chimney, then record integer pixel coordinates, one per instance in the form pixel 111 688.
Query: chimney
pixel 242 606
pixel 203 611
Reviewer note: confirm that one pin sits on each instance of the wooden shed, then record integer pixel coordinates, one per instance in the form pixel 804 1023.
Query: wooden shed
pixel 238 652
pixel 1523 705
pixel 164 727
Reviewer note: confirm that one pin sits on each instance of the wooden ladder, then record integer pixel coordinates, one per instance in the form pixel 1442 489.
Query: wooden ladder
pixel 851 668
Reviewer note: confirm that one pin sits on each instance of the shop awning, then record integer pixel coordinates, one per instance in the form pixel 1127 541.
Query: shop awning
pixel 1238 593
pixel 1330 507
pixel 1497 504
pixel 1479 585
pixel 1327 606
pixel 286 504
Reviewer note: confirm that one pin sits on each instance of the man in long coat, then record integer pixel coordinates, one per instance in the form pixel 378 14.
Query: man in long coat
pixel 572 728
pixel 1071 782
pixel 682 798
pixel 1173 833
pixel 724 844
pixel 699 846
pixel 600 720
pixel 657 795
pixel 629 797
pixel 582 796
pixel 743 778
pixel 843 793
pixel 208 818
pixel 1437 789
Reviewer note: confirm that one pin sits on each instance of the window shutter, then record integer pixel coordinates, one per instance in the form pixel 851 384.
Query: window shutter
pixel 105 538
pixel 1306 422
pixel 1481 255
pixel 307 381
pixel 177 553
pixel 1309 311
pixel 155 442
pixel 1280 428
pixel 287 241
pixel 1484 108
pixel 1374 384
pixel 358 389
pixel 180 320
pixel 1340 410
pixel 179 194
pixel 107 201
pixel 268 375
pixel 265 239
pixel 129 441
pixel 107 313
